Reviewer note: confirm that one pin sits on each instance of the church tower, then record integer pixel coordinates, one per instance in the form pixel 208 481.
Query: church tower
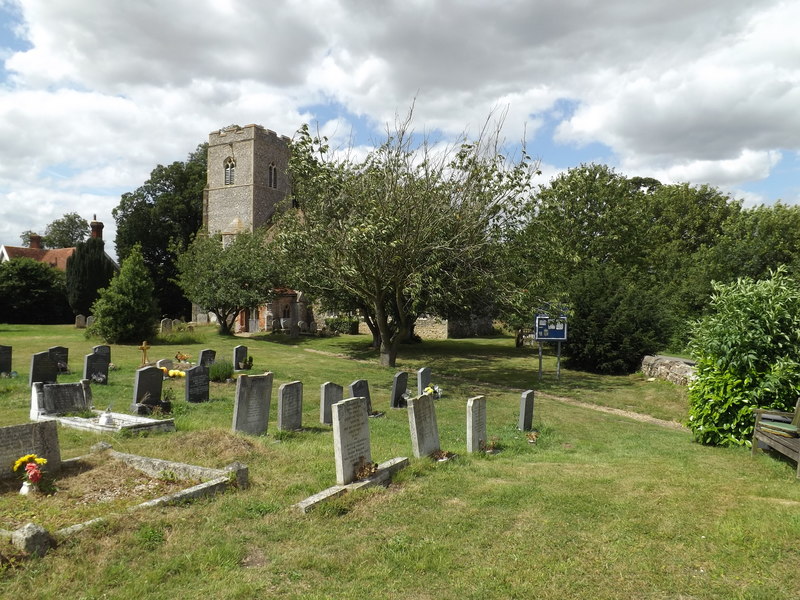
pixel 246 179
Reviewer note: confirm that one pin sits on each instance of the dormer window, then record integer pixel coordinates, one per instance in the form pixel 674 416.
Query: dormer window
pixel 273 176
pixel 230 170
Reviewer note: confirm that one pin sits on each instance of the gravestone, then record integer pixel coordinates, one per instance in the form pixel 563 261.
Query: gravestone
pixel 360 389
pixel 239 356
pixel 61 398
pixel 422 423
pixel 60 356
pixel 201 319
pixel 207 357
pixel 42 369
pixel 251 407
pixel 197 384
pixel 399 387
pixel 147 386
pixel 312 327
pixel 89 320
pixel 423 380
pixel 290 406
pixel 5 359
pixel 31 438
pixel 80 322
pixel 166 325
pixel 176 324
pixel 476 424
pixel 526 411
pixel 104 350
pixel 329 394
pixel 95 366
pixel 165 363
pixel 351 447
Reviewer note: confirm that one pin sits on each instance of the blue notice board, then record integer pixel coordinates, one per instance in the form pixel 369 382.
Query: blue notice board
pixel 550 329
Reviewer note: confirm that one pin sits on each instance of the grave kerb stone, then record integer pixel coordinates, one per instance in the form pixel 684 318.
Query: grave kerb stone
pixel 351 445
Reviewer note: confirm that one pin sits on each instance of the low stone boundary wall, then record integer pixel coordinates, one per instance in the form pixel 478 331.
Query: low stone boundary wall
pixel 677 370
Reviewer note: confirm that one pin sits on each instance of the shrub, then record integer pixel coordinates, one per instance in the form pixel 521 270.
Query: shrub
pixel 748 356
pixel 32 292
pixel 341 324
pixel 221 370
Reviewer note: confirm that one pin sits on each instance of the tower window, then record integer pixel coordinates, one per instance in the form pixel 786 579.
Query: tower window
pixel 273 176
pixel 230 169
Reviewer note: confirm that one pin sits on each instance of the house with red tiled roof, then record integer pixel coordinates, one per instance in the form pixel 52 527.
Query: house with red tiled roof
pixel 54 257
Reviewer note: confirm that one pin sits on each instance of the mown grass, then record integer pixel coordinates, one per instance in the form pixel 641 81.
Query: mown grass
pixel 601 506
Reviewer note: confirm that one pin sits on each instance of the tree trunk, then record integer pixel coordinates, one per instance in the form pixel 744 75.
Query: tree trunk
pixel 373 328
pixel 388 345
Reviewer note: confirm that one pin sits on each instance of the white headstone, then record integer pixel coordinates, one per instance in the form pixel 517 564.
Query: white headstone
pixel 351 448
pixel 422 423
pixel 476 424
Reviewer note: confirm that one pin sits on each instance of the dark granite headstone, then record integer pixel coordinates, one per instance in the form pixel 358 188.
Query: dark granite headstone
pixel 399 387
pixel 239 356
pixel 147 386
pixel 251 406
pixel 197 384
pixel 360 389
pixel 60 356
pixel 60 398
pixel 43 369
pixel 207 357
pixel 5 359
pixel 104 350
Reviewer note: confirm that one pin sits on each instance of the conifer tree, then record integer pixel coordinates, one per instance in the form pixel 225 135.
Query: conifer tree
pixel 88 270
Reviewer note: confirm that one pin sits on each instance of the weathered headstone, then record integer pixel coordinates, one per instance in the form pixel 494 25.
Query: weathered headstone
pixel 207 357
pixel 5 359
pixel 90 320
pixel 360 389
pixel 31 438
pixel 329 394
pixel 43 369
pixel 147 386
pixel 61 398
pixel 80 322
pixel 239 356
pixel 476 424
pixel 526 411
pixel 312 327
pixel 290 406
pixel 60 356
pixel 399 387
pixel 422 423
pixel 251 407
pixel 166 325
pixel 197 384
pixel 201 319
pixel 423 380
pixel 95 366
pixel 176 324
pixel 351 447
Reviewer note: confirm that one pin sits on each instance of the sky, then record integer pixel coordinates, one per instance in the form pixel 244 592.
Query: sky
pixel 95 93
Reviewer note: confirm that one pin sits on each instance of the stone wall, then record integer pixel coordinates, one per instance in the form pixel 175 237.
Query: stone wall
pixel 677 370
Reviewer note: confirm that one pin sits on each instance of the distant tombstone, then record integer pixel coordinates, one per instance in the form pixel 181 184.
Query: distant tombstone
pixel 89 321
pixel 526 411
pixel 197 384
pixel 290 406
pixel 423 380
pixel 95 366
pixel 422 423
pixel 312 327
pixel 351 448
pixel 31 438
pixel 43 369
pixel 207 357
pixel 61 398
pixel 251 407
pixel 5 359
pixel 303 326
pixel 360 389
pixel 176 324
pixel 80 322
pixel 60 356
pixel 329 394
pixel 147 386
pixel 165 363
pixel 239 356
pixel 166 325
pixel 201 319
pixel 476 424
pixel 399 387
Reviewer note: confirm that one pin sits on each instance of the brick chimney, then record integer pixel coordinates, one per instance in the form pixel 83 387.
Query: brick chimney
pixel 97 228
pixel 36 241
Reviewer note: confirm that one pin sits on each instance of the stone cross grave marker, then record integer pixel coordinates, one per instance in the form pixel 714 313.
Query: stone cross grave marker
pixel 31 438
pixel 147 386
pixel 95 365
pixel 207 357
pixel 476 424
pixel 290 406
pixel 526 411
pixel 329 394
pixel 360 389
pixel 60 356
pixel 42 369
pixel 351 447
pixel 80 322
pixel 239 356
pixel 197 384
pixel 423 380
pixel 5 359
pixel 399 387
pixel 166 325
pixel 251 407
pixel 422 423
pixel 144 348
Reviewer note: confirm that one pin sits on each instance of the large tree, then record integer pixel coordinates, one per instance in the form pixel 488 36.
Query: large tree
pixel 66 232
pixel 89 269
pixel 405 223
pixel 162 216
pixel 227 278
pixel 32 292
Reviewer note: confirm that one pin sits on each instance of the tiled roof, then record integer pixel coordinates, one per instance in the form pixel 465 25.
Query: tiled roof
pixel 56 257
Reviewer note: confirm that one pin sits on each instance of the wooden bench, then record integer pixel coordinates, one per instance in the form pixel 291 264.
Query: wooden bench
pixel 779 431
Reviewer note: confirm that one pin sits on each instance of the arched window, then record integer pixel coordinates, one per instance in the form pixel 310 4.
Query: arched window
pixel 230 170
pixel 273 176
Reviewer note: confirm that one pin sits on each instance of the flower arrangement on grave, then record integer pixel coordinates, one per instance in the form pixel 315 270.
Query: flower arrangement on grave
pixel 433 390
pixel 31 466
pixel 181 357
pixel 173 372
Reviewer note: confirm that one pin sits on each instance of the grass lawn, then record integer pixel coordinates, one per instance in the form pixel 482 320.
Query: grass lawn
pixel 602 506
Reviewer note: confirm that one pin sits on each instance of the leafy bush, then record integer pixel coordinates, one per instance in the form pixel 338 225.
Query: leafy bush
pixel 748 356
pixel 341 324
pixel 32 292
pixel 221 370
